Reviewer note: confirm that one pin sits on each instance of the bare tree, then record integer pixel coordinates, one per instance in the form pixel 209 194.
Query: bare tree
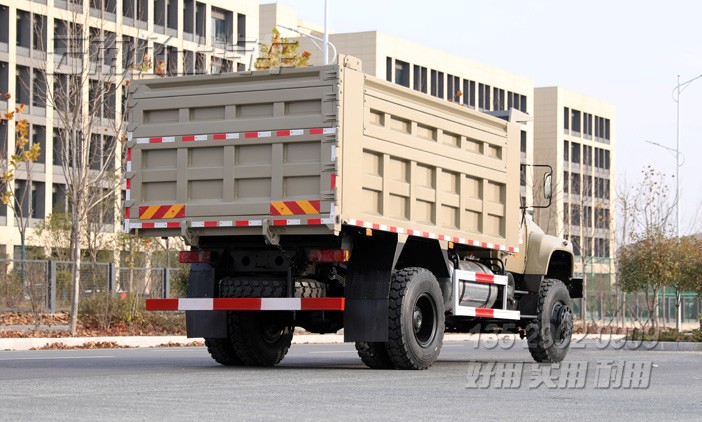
pixel 647 262
pixel 89 127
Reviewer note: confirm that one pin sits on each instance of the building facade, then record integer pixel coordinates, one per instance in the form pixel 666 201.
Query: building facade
pixel 169 37
pixel 575 134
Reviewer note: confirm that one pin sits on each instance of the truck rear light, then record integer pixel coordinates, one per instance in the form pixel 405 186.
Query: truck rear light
pixel 193 257
pixel 328 255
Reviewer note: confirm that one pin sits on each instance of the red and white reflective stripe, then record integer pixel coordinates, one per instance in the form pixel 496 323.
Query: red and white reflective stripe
pixel 247 304
pixel 128 190
pixel 486 313
pixel 192 138
pixel 480 277
pixel 227 223
pixel 264 134
pixel 238 223
pixel 240 135
pixel 429 235
pixel 158 225
pixel 298 222
pixel 129 159
pixel 156 140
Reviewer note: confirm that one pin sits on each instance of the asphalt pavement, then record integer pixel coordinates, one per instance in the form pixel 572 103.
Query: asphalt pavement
pixel 490 380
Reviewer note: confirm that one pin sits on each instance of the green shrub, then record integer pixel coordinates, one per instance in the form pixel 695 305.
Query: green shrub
pixel 103 310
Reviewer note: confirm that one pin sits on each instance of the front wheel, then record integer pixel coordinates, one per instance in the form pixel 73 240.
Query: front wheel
pixel 416 319
pixel 549 334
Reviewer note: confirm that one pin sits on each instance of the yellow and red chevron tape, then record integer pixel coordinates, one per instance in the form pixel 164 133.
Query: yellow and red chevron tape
pixel 154 212
pixel 294 207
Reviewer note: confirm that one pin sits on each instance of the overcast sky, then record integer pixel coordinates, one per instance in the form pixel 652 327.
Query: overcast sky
pixel 626 52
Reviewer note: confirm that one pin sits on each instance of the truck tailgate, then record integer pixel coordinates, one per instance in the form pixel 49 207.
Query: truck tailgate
pixel 229 153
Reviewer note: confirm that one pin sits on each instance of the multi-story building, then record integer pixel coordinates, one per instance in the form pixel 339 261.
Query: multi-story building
pixel 574 133
pixel 178 36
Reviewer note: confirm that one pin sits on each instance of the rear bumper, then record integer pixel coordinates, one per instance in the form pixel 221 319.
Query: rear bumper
pixel 247 304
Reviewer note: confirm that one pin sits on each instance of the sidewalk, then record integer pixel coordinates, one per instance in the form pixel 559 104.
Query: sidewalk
pixel 301 337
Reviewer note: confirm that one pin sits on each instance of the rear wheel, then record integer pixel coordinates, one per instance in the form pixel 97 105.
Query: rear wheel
pixel 258 338
pixel 374 355
pixel 222 351
pixel 549 335
pixel 416 319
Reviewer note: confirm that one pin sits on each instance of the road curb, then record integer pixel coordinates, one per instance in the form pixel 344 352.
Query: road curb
pixel 486 339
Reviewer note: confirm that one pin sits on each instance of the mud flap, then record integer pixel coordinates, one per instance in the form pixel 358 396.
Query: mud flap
pixel 368 287
pixel 208 324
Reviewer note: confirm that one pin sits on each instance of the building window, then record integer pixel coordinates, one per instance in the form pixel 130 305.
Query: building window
pixel 38 89
pixel 575 153
pixel 606 159
pixel 575 214
pixel 587 155
pixel 420 78
pixel 587 186
pixel 453 85
pixel 437 83
pixel 222 27
pixel 469 93
pixel 188 16
pixel 22 85
pixel 498 99
pixel 575 121
pixel 575 183
pixel 566 152
pixel 402 73
pixel 39 33
pixel 4 27
pixel 241 30
pixel 39 138
pixel 483 97
pixel 142 9
pixel 566 119
pixel 172 14
pixel 523 142
pixel 388 69
pixel 200 16
pixel 24 29
pixel 58 198
pixel 565 182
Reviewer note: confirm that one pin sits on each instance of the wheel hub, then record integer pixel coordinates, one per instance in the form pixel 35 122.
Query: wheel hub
pixel 424 320
pixel 561 322
pixel 417 320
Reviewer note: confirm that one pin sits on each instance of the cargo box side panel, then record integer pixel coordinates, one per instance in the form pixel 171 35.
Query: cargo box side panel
pixel 223 154
pixel 428 167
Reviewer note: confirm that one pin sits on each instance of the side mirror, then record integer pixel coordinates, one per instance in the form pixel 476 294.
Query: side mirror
pixel 548 185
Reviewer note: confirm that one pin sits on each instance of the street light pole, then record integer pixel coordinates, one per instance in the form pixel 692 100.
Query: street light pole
pixel 679 88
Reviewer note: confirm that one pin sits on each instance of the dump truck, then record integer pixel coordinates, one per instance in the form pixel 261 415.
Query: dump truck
pixel 328 199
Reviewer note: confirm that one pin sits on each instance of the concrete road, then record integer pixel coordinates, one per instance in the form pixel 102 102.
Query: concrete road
pixel 329 382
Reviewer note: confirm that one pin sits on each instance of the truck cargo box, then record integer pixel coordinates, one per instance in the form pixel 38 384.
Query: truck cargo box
pixel 308 150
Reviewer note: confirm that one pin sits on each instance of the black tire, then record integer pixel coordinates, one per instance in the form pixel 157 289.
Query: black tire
pixel 416 319
pixel 307 287
pixel 258 338
pixel 549 334
pixel 222 351
pixel 374 355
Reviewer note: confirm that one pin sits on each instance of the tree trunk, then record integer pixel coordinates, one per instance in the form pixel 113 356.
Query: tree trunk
pixel 75 257
pixel 678 309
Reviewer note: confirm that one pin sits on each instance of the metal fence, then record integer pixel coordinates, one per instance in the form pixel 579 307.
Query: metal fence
pixel 47 285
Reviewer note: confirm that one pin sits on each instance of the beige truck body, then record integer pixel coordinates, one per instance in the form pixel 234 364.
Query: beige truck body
pixel 308 150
